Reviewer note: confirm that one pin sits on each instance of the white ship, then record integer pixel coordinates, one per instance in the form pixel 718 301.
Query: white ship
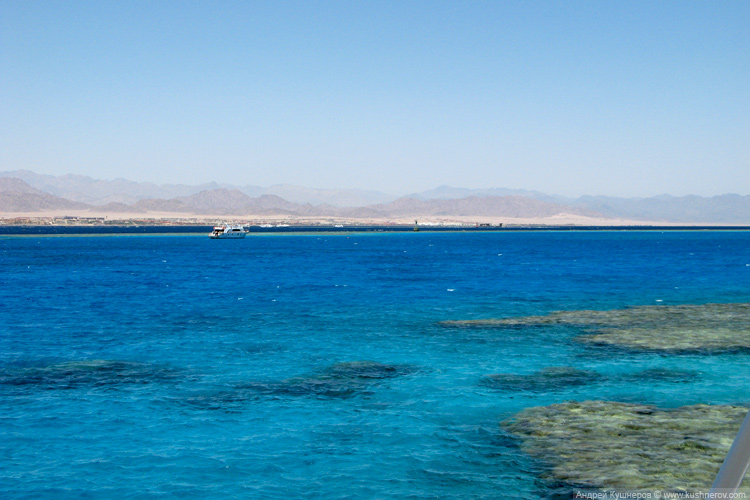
pixel 225 231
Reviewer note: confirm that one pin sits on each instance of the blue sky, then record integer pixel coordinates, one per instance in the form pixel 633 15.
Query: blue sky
pixel 623 98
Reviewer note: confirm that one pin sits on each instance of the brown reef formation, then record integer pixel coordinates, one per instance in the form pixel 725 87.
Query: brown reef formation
pixel 708 328
pixel 604 445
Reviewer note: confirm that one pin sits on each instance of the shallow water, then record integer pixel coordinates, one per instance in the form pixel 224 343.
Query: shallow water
pixel 178 366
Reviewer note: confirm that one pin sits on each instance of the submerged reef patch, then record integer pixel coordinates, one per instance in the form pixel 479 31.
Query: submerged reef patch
pixel 545 380
pixel 558 378
pixel 86 373
pixel 663 375
pixel 628 447
pixel 365 370
pixel 708 328
pixel 341 380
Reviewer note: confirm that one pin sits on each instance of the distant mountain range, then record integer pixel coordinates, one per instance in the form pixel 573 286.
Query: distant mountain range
pixel 100 192
pixel 450 193
pixel 725 208
pixel 25 191
pixel 18 196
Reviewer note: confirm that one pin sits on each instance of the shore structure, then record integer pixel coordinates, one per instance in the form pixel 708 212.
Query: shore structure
pixel 88 218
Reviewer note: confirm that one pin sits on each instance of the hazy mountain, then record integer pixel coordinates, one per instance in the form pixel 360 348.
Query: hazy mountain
pixel 123 199
pixel 727 208
pixel 18 196
pixel 33 192
pixel 99 192
pixel 229 202
pixel 217 201
pixel 234 202
pixel 448 192
pixel 11 185
pixel 335 197
pixel 503 206
pixel 268 204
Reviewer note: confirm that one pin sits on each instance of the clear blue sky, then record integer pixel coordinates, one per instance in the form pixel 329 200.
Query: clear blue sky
pixel 630 98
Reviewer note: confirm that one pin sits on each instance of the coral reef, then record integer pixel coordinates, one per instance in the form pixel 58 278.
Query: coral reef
pixel 708 328
pixel 628 447
pixel 545 380
pixel 663 375
pixel 341 380
pixel 96 373
pixel 365 370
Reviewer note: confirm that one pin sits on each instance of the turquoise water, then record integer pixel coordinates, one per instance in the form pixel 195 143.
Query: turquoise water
pixel 158 366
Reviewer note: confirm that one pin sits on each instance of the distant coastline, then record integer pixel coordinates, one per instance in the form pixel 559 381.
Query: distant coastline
pixel 201 227
pixel 73 218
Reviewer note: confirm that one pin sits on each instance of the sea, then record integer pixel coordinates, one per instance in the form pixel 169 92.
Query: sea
pixel 316 366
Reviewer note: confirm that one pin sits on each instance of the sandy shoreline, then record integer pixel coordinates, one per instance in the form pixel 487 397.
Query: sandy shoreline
pixel 87 217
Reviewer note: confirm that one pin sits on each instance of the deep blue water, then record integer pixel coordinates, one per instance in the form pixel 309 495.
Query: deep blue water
pixel 151 366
